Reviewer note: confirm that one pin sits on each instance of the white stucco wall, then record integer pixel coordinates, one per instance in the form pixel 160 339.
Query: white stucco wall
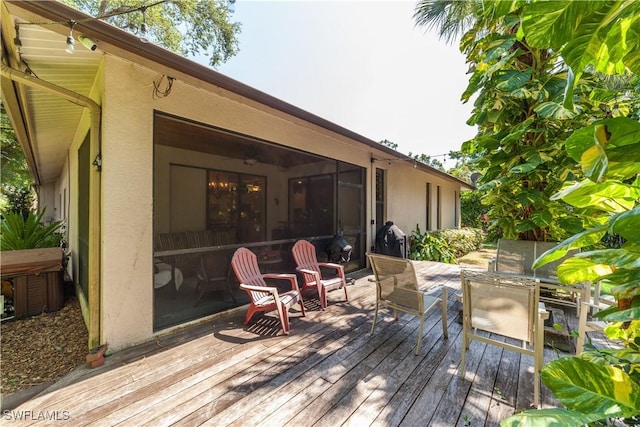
pixel 406 197
pixel 127 205
pixel 128 180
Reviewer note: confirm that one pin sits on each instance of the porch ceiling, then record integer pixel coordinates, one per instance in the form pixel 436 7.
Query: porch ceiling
pixel 49 122
pixel 179 133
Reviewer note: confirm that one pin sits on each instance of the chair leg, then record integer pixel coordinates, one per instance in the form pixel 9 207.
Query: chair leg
pixel 420 334
pixel 375 318
pixel 250 312
pixel 283 313
pixel 444 303
pixel 538 361
pixel 346 297
pixel 465 345
pixel 582 329
pixel 301 302
pixel 323 298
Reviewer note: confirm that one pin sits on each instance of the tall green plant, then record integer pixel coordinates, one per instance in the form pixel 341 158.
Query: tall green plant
pixel 521 111
pixel 541 72
pixel 599 385
pixel 19 232
pixel 429 247
pixel 608 380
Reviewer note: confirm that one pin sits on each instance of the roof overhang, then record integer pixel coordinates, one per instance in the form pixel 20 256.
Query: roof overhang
pixel 45 124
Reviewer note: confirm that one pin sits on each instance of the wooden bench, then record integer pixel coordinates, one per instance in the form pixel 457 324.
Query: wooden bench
pixel 517 257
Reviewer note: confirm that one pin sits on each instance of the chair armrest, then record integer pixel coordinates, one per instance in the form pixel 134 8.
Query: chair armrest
pixel 333 266
pixel 491 267
pixel 264 289
pixel 433 290
pixel 542 311
pixel 329 265
pixel 306 271
pixel 283 276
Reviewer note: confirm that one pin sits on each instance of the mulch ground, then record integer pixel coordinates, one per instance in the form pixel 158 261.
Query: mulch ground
pixel 42 348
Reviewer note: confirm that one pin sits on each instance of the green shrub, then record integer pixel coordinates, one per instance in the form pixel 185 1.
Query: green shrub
pixel 17 199
pixel 462 240
pixel 472 209
pixel 444 246
pixel 28 233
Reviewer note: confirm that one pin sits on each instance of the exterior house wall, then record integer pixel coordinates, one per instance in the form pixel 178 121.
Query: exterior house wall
pixel 124 90
pixel 406 198
pixel 127 192
pixel 128 179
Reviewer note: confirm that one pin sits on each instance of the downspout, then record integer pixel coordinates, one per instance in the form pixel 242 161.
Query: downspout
pixel 94 266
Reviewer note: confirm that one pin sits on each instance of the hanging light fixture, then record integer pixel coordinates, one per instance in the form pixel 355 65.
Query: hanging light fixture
pixel 221 186
pixel 70 41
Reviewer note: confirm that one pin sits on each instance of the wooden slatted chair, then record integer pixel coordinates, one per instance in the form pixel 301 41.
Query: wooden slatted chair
pixel 213 275
pixel 263 297
pixel 304 254
pixel 508 306
pixel 397 288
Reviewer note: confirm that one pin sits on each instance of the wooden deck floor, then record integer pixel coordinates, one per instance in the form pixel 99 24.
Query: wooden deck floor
pixel 329 371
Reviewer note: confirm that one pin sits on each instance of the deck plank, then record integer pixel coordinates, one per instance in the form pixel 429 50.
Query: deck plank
pixel 329 371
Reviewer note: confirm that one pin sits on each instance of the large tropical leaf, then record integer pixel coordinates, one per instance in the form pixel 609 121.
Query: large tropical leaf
pixel 609 196
pixel 554 110
pixel 622 131
pixel 550 24
pixel 592 389
pixel 626 282
pixel 614 314
pixel 577 241
pixel 603 34
pixel 620 257
pixel 598 33
pixel 510 80
pixel 550 417
pixel 627 225
pixel 577 270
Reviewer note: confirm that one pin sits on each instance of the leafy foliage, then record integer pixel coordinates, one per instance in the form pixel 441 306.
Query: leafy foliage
pixel 520 109
pixel 429 247
pixel 15 177
pixel 461 240
pixel 389 144
pixel 444 245
pixel 187 27
pixel 473 212
pixel 554 89
pixel 17 199
pixel 19 232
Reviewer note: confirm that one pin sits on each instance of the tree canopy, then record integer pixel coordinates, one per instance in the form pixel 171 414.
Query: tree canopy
pixel 187 27
pixel 15 177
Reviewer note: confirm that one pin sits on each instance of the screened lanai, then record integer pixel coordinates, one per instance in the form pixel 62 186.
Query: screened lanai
pixel 216 190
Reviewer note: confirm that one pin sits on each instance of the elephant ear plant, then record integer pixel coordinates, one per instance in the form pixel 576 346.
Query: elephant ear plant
pixel 19 232
pixel 601 385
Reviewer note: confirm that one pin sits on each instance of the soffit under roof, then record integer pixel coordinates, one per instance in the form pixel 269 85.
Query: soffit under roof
pixel 51 120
